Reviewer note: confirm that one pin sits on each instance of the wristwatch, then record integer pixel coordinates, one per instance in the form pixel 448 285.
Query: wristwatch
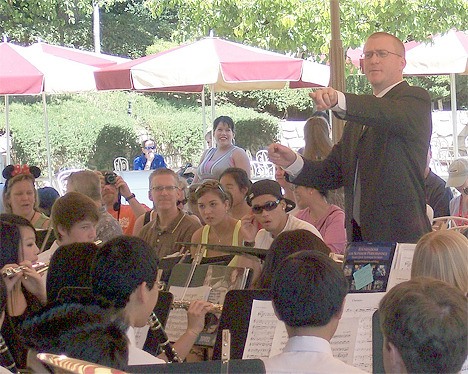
pixel 248 244
pixel 132 196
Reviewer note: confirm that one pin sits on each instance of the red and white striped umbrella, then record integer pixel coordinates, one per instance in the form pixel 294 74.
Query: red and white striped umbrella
pixel 220 64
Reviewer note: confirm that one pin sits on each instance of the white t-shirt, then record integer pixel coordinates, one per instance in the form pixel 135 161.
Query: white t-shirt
pixel 137 356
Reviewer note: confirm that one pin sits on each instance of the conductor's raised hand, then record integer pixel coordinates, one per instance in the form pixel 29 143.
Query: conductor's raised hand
pixel 324 98
pixel 281 155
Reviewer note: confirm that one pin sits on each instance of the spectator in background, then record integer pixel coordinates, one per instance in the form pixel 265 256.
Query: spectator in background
pixel 237 183
pixel 224 155
pixel 149 159
pixel 438 195
pixel 113 188
pixel 47 197
pixel 209 139
pixel 308 296
pixel 88 183
pixel 458 178
pixel 329 219
pixel 425 327
pixel 74 218
pixel 20 195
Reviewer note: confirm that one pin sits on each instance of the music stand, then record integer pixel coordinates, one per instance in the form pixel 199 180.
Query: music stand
pixel 377 345
pixel 236 317
pixel 161 310
pixel 252 366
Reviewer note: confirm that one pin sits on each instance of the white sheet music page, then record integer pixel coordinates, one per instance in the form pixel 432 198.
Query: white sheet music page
pixel 401 265
pixel 177 320
pixel 358 310
pixel 262 327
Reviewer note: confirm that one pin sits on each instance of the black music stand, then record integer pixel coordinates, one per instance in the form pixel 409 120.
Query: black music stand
pixel 377 345
pixel 236 317
pixel 252 366
pixel 161 310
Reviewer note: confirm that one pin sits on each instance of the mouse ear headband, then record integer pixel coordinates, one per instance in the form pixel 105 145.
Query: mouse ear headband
pixel 12 170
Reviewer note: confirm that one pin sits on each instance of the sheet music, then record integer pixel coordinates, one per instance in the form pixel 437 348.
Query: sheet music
pixel 401 266
pixel 279 339
pixel 262 326
pixel 140 335
pixel 177 320
pixel 358 310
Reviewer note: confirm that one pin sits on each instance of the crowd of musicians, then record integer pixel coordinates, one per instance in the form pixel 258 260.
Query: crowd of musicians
pixel 88 290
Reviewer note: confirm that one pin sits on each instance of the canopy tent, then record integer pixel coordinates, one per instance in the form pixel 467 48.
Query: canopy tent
pixel 43 68
pixel 218 64
pixel 442 55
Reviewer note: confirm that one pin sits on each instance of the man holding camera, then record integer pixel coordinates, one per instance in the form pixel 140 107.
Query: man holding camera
pixel 113 189
pixel 88 183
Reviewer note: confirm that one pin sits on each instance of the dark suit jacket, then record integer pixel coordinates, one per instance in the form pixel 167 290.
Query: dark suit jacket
pixel 438 196
pixel 392 151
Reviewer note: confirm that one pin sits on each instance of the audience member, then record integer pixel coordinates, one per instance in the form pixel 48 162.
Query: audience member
pixel 149 159
pixel 458 178
pixel 425 328
pixel 171 224
pixel 285 244
pixel 88 183
pixel 327 218
pixel 442 254
pixel 26 291
pixel 438 195
pixel 287 188
pixel 224 155
pixel 113 188
pixel 209 139
pixel 381 157
pixel 124 274
pixel 237 183
pixel 192 202
pixel 83 332
pixel 74 218
pixel 20 194
pixel 269 209
pixel 47 197
pixel 308 296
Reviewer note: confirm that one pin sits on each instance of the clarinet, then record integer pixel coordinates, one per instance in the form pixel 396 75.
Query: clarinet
pixel 6 359
pixel 165 346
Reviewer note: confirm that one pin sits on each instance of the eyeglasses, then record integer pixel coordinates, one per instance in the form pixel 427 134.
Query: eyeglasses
pixel 380 53
pixel 209 185
pixel 164 188
pixel 268 206
pixel 152 147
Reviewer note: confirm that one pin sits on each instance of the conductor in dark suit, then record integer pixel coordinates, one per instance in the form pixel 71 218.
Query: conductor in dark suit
pixel 381 157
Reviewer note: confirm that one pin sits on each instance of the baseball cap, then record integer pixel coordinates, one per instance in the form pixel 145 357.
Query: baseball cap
pixel 268 187
pixel 458 172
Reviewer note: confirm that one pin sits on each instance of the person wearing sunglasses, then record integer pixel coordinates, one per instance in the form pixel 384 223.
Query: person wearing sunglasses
pixel 149 159
pixel 381 156
pixel 269 208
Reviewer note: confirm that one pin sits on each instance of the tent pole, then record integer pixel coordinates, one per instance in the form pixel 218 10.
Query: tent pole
pixel 46 125
pixel 213 109
pixel 7 127
pixel 203 116
pixel 453 104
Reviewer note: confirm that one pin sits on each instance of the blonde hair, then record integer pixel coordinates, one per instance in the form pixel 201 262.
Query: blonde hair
pixel 317 139
pixel 9 186
pixel 86 182
pixel 443 255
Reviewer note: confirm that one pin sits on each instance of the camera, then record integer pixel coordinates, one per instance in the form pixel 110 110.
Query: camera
pixel 110 178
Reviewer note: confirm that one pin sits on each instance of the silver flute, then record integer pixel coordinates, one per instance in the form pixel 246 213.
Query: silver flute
pixel 179 304
pixel 10 272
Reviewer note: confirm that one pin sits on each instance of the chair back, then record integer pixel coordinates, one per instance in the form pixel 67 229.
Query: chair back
pixel 121 164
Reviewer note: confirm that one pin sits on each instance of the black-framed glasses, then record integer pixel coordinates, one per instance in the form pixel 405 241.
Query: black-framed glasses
pixel 164 188
pixel 268 206
pixel 151 147
pixel 380 53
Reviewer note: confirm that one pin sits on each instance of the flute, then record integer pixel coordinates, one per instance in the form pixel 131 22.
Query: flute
pixel 10 272
pixel 179 304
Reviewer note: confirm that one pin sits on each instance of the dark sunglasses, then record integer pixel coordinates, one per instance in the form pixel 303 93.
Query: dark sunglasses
pixel 268 206
pixel 152 147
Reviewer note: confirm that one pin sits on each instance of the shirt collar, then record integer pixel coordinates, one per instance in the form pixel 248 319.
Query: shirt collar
pixel 383 92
